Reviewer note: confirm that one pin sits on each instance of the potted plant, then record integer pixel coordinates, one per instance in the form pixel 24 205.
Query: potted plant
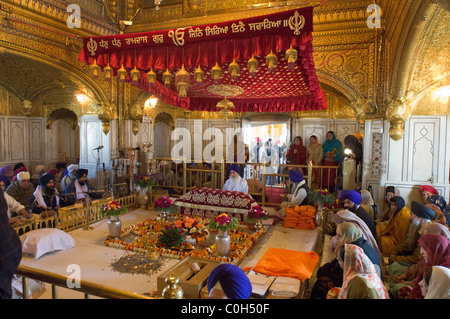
pixel 223 223
pixel 165 205
pixel 114 209
pixel 258 214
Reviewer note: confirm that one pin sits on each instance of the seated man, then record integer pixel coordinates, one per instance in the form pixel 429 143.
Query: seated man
pixel 393 234
pixel 46 197
pixel 228 282
pixel 14 207
pixel 79 189
pixel 352 200
pixel 299 196
pixel 408 252
pixel 22 189
pixel 70 177
pixel 235 182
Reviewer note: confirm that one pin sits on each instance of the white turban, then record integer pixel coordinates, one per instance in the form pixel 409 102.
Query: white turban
pixel 23 175
pixel 72 168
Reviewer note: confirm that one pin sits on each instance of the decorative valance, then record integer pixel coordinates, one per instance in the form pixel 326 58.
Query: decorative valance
pixel 260 64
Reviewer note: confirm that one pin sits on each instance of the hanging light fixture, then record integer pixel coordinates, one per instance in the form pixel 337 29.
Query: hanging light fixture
pixel 150 103
pixel 234 70
pixel 108 70
pixel 167 78
pixel 199 74
pixel 291 57
pixel 216 72
pixel 182 81
pixel 225 108
pixel 271 61
pixel 151 77
pixel 122 74
pixel 135 75
pixel 252 65
pixel 95 69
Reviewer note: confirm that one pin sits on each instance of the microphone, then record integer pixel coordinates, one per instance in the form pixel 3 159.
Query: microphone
pixel 98 148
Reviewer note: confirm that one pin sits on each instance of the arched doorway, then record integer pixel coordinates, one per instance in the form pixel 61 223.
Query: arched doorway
pixel 64 136
pixel 164 124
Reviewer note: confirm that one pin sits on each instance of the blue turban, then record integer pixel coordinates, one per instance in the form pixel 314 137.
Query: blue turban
pixel 5 180
pixel 234 281
pixel 354 196
pixel 295 176
pixel 234 167
pixel 422 211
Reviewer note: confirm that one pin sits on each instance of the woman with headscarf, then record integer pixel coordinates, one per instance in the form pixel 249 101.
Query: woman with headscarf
pixel 393 234
pixel 332 150
pixel 436 283
pixel 228 281
pixel 314 154
pixel 361 280
pixel 297 152
pixel 436 228
pixel 434 251
pixel 390 192
pixel 367 202
pixel 426 191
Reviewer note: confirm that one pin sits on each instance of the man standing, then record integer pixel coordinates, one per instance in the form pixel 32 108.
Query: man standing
pixel 269 156
pixel 351 200
pixel 22 189
pixel 46 197
pixel 79 189
pixel 235 182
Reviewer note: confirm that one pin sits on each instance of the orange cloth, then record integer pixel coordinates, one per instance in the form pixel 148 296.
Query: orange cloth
pixel 300 217
pixel 287 263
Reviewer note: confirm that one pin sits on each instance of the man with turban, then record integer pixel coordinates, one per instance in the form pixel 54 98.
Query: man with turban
pixel 22 189
pixel 235 182
pixel 352 200
pixel 426 191
pixel 407 252
pixel 79 189
pixel 228 281
pixel 14 208
pixel 70 177
pixel 46 196
pixel 393 234
pixel 299 196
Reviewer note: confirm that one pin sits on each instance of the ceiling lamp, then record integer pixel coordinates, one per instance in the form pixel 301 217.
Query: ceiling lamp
pixel 95 70
pixel 135 75
pixel 108 70
pixel 234 69
pixel 271 61
pixel 150 103
pixel 182 81
pixel 291 57
pixel 252 65
pixel 225 108
pixel 167 78
pixel 122 74
pixel 82 98
pixel 151 77
pixel 199 74
pixel 216 72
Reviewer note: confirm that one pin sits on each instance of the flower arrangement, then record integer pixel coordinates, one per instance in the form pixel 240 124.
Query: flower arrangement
pixel 257 212
pixel 145 182
pixel 172 236
pixel 223 222
pixel 163 203
pixel 113 208
pixel 321 196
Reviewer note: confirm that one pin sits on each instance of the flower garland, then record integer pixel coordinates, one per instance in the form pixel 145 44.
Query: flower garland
pixel 241 242
pixel 113 208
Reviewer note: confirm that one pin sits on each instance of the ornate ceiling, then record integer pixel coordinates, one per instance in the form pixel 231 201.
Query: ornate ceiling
pixel 361 69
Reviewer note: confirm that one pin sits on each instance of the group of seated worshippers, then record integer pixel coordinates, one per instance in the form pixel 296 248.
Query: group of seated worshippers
pixel 26 200
pixel 409 249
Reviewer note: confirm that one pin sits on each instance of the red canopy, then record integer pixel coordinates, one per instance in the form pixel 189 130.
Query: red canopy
pixel 280 89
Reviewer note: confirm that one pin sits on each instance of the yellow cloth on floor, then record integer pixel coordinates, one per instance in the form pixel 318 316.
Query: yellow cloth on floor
pixel 287 263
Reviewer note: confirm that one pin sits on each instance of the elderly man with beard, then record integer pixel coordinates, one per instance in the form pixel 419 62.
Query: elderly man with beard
pixel 22 189
pixel 351 200
pixel 46 197
pixel 79 189
pixel 235 182
pixel 408 252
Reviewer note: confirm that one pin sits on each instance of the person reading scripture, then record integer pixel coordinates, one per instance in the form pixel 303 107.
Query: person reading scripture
pixel 235 182
pixel 228 281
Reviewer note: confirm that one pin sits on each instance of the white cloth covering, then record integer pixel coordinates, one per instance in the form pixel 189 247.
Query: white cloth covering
pixel 439 287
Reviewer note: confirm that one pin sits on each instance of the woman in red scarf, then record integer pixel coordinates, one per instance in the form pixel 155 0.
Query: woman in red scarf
pixel 297 152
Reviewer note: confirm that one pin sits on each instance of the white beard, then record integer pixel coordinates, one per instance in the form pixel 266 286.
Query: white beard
pixel 233 181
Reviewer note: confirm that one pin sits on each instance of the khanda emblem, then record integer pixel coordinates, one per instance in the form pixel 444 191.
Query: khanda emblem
pixel 296 23
pixel 92 46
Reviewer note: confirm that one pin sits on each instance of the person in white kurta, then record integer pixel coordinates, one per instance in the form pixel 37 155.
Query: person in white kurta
pixel 269 155
pixel 300 194
pixel 235 182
